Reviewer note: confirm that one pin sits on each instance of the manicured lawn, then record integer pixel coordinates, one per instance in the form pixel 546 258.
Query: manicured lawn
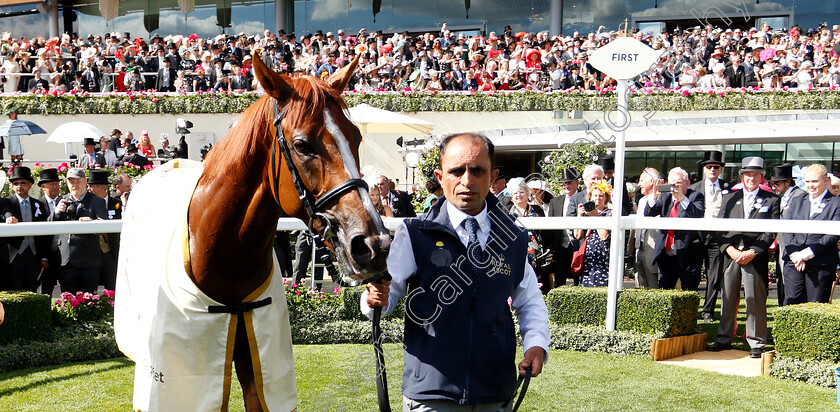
pixel 711 328
pixel 338 377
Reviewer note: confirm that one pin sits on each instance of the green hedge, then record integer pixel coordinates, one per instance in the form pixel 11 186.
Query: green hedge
pixel 80 342
pixel 28 317
pixel 658 100
pixel 585 338
pixel 809 371
pixel 345 331
pixel 808 331
pixel 652 311
pixel 350 310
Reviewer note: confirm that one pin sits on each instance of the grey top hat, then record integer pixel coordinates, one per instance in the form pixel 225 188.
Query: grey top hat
pixel 752 164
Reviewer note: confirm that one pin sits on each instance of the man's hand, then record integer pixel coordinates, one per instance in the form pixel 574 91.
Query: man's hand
pixel 45 265
pixel 84 219
pixel 378 293
pixel 534 358
pixel 11 220
pixel 747 256
pixel 61 207
pixel 735 254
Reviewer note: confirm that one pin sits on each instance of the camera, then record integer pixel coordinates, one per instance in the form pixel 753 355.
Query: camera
pixel 665 188
pixel 71 210
pixel 589 206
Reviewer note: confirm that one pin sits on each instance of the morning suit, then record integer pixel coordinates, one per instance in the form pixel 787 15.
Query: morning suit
pixel 684 259
pixel 813 284
pixel 712 259
pixel 764 205
pixel 81 255
pixel 25 252
pixel 109 243
pixel 50 276
pixel 560 243
pixel 792 193
pixel 173 74
pixel 642 244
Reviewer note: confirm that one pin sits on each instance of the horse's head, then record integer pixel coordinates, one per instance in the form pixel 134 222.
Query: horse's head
pixel 323 145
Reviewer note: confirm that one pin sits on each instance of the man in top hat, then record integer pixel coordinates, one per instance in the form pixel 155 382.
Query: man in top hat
pixel 81 256
pixel 109 243
pixel 498 188
pixel 134 158
pixel 89 158
pixel 783 185
pixel 51 186
pixel 810 259
pixel 560 242
pixel 608 164
pixel 166 75
pixel 713 189
pixel 27 254
pixel 745 258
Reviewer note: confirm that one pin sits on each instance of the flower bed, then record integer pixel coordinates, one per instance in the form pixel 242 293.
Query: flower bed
pixel 599 100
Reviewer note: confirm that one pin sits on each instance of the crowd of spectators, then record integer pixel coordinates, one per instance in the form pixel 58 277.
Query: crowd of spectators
pixel 698 57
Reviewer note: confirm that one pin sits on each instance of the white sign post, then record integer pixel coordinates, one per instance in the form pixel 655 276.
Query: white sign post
pixel 622 59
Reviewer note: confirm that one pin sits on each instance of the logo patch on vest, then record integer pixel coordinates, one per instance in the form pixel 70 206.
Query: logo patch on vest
pixel 439 244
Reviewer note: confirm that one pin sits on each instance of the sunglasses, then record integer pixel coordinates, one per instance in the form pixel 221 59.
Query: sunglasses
pixel 713 167
pixel 19 182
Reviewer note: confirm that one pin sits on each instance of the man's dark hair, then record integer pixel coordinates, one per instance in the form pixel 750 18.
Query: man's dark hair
pixel 491 150
pixel 432 184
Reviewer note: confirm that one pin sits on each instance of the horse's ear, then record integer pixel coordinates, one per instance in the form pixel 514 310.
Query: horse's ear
pixel 271 81
pixel 340 78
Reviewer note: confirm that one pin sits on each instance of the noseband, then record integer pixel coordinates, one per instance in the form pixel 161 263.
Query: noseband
pixel 313 206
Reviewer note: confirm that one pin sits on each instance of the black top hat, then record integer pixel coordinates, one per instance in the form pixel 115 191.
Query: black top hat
pixel 48 175
pixel 281 32
pixel 89 141
pixel 607 162
pixel 319 33
pixel 501 170
pixel 569 174
pixel 131 148
pixel 712 157
pixel 21 172
pixel 782 172
pixel 98 177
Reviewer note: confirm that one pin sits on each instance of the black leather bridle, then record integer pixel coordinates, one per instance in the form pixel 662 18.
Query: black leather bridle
pixel 313 206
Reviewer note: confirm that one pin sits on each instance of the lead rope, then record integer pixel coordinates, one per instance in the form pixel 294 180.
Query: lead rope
pixel 524 381
pixel 381 376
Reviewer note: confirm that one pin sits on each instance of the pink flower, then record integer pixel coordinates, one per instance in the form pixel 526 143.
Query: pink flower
pixel 336 290
pixel 108 293
pixel 297 292
pixel 294 285
pixel 111 302
pixel 38 164
pixel 62 168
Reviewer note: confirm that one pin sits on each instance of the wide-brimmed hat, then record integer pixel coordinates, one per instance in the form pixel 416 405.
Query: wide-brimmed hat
pixel 712 157
pixel 98 177
pixel 21 172
pixel 568 174
pixel 752 164
pixel 48 175
pixel 782 172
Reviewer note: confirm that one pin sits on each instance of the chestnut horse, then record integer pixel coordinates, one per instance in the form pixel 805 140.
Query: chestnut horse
pixel 292 153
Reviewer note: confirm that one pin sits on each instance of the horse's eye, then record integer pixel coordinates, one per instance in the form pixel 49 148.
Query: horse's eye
pixel 303 147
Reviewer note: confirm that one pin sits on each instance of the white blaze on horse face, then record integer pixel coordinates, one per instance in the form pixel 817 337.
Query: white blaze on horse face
pixel 349 160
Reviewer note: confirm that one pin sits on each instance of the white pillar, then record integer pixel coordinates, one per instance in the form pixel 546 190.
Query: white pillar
pixel 555 13
pixel 616 279
pixel 280 15
pixel 53 18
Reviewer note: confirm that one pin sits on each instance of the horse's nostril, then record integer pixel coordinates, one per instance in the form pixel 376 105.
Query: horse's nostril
pixel 359 250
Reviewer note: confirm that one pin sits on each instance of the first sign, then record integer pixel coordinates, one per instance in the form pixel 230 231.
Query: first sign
pixel 624 58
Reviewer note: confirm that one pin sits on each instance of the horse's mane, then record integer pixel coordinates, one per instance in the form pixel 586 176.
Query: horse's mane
pixel 248 143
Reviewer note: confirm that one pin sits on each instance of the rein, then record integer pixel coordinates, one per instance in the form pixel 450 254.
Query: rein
pixel 312 205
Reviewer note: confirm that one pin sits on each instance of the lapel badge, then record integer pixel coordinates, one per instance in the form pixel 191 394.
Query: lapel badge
pixel 439 244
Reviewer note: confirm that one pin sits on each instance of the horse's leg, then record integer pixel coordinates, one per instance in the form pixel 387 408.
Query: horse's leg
pixel 244 369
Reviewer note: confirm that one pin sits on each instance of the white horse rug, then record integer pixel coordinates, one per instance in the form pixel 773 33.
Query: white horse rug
pixel 183 353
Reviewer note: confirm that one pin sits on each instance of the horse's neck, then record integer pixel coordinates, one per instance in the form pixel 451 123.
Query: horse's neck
pixel 232 229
